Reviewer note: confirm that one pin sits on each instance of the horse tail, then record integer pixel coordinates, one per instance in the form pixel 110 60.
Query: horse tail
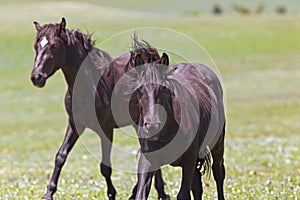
pixel 204 162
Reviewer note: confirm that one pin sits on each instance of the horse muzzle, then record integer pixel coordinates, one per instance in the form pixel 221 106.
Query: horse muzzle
pixel 153 138
pixel 152 130
pixel 38 80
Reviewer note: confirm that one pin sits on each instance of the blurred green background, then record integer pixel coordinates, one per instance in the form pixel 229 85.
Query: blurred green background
pixel 256 46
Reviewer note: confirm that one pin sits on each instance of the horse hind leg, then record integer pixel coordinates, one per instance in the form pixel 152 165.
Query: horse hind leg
pixel 106 172
pixel 105 165
pixel 188 169
pixel 72 135
pixel 218 167
pixel 203 167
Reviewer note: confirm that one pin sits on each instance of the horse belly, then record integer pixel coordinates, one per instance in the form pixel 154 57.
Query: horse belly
pixel 85 115
pixel 213 132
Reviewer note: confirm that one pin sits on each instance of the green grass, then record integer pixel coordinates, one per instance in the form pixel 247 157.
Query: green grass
pixel 175 7
pixel 258 57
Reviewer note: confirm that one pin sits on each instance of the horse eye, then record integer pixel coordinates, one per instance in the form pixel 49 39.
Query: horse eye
pixel 139 93
pixel 54 46
pixel 162 90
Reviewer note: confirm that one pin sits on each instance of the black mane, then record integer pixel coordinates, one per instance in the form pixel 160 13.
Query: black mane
pixel 148 53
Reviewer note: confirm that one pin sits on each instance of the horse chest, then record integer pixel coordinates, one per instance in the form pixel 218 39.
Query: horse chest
pixel 83 111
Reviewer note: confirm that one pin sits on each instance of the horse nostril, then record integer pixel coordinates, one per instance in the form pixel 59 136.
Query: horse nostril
pixel 39 78
pixel 36 78
pixel 152 127
pixel 32 78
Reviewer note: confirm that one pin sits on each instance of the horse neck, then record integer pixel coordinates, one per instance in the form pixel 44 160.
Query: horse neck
pixel 74 59
pixel 119 65
pixel 109 83
pixel 112 74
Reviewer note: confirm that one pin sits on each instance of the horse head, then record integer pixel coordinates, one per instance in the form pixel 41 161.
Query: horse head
pixel 153 95
pixel 50 48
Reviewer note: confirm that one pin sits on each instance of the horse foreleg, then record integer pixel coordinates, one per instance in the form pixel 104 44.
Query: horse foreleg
pixel 188 169
pixel 105 165
pixel 144 180
pixel 218 165
pixel 197 185
pixel 158 183
pixel 70 139
pixel 160 186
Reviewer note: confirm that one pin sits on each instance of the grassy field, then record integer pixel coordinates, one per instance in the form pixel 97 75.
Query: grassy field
pixel 258 58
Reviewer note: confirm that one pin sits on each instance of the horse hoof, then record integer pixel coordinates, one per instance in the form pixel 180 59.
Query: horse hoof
pixel 111 197
pixel 166 197
pixel 47 197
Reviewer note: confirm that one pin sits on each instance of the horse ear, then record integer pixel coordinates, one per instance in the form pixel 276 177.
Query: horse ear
pixel 62 25
pixel 138 60
pixel 164 60
pixel 37 26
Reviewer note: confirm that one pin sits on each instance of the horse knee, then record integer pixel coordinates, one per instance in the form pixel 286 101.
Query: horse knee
pixel 133 192
pixel 105 170
pixel 60 159
pixel 184 195
pixel 52 187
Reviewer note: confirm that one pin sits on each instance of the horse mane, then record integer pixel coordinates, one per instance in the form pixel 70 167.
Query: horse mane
pixel 148 52
pixel 81 41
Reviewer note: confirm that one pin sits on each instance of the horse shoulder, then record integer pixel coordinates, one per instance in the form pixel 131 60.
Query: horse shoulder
pixel 68 102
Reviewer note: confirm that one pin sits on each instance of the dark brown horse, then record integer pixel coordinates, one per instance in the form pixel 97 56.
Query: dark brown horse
pixel 91 75
pixel 181 122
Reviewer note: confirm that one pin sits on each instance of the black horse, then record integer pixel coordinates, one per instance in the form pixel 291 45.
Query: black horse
pixel 91 75
pixel 182 123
